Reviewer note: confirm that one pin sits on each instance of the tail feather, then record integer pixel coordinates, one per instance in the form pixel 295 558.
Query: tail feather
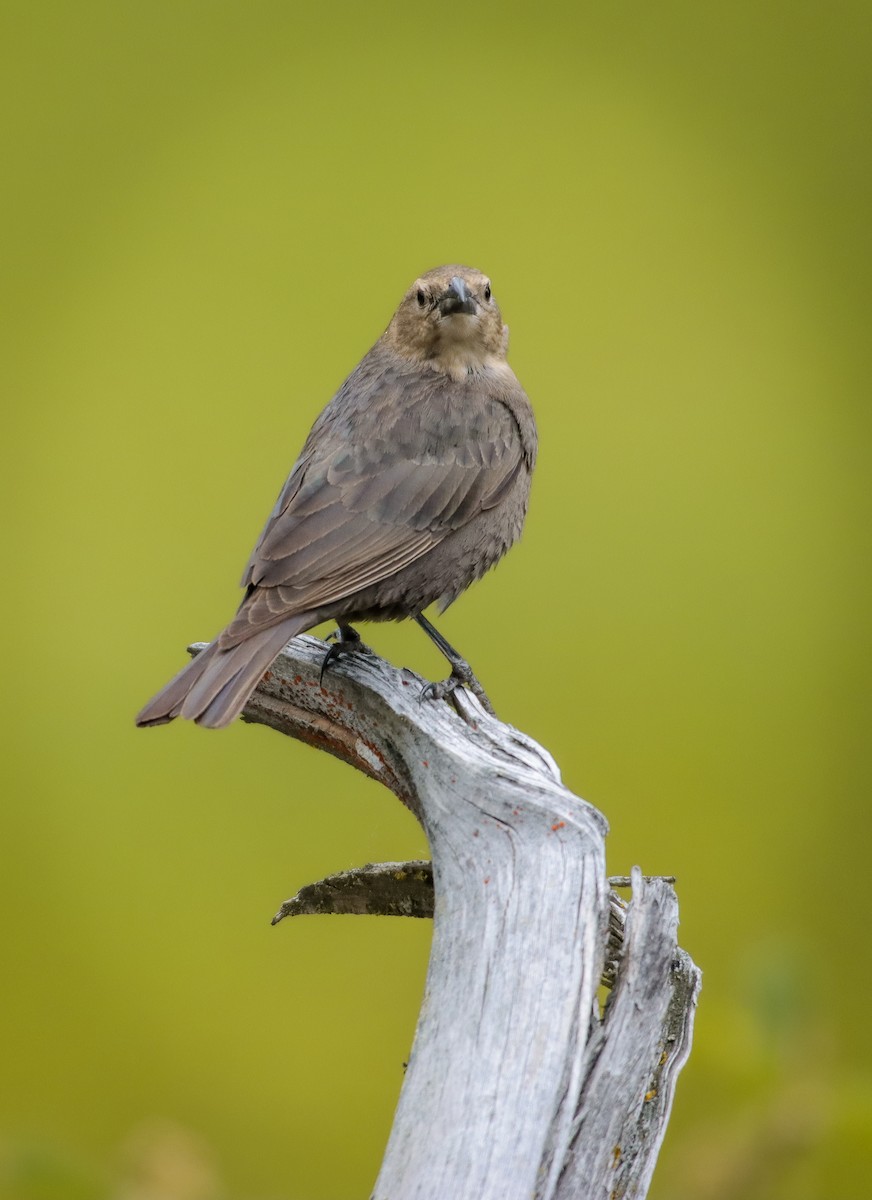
pixel 214 688
pixel 167 704
pixel 217 699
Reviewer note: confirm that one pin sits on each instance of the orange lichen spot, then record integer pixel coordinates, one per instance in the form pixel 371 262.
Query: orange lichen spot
pixel 487 878
pixel 267 676
pixel 663 1057
pixel 650 1095
pixel 298 679
pixel 558 825
pixel 616 1155
pixel 425 762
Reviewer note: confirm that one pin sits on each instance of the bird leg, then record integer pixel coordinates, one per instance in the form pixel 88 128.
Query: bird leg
pixel 346 640
pixel 461 672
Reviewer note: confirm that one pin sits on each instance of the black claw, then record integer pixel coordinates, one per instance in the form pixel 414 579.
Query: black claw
pixel 446 688
pixel 461 672
pixel 346 640
pixel 436 691
pixel 332 654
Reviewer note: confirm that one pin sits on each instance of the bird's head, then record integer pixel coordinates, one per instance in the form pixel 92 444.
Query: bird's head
pixel 450 319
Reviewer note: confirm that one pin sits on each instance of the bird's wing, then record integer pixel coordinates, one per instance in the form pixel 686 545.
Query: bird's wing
pixel 391 485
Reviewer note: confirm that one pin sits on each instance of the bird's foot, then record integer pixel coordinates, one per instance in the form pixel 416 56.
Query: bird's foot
pixel 345 641
pixel 461 676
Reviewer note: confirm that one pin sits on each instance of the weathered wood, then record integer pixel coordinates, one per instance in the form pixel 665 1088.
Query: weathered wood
pixel 396 889
pixel 642 1043
pixel 405 889
pixel 517 1085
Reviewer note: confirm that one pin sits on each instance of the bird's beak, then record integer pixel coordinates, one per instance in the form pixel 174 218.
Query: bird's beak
pixel 456 299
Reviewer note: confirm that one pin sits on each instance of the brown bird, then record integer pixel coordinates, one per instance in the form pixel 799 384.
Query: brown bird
pixel 413 482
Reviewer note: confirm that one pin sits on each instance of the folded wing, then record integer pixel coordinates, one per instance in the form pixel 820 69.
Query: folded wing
pixel 398 476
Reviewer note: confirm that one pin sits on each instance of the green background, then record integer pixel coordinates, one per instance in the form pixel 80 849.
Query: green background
pixel 210 211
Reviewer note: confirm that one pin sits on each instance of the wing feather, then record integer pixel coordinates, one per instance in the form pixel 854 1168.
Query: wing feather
pixel 389 470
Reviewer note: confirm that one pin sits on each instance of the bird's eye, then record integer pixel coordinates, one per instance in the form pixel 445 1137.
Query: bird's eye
pixel 422 299
pixel 487 291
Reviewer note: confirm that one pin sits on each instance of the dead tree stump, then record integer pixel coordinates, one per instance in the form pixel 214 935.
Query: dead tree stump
pixel 520 1083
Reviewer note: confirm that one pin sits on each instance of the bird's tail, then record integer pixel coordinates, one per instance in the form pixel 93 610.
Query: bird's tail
pixel 214 688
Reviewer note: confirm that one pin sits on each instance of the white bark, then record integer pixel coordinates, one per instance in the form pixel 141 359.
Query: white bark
pixel 517 1085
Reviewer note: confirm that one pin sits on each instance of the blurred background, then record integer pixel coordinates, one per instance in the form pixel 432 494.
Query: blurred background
pixel 210 211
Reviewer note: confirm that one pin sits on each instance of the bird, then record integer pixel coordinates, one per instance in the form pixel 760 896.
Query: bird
pixel 413 482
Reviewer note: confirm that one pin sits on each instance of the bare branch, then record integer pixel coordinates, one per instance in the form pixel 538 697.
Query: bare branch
pixel 517 1085
pixel 376 890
